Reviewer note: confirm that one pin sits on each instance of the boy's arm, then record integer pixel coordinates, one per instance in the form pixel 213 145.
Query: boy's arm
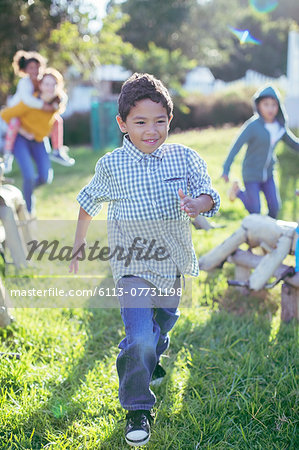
pixel 290 139
pixel 14 111
pixel 202 198
pixel 84 220
pixel 97 191
pixel 90 199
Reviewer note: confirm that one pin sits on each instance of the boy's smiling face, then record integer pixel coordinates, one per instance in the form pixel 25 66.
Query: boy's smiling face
pixel 147 125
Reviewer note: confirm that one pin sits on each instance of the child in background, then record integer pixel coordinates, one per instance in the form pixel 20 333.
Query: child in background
pixel 152 188
pixel 34 125
pixel 30 66
pixel 261 133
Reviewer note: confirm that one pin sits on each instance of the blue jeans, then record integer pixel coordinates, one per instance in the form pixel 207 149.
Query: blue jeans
pixel 146 328
pixel 26 152
pixel 251 196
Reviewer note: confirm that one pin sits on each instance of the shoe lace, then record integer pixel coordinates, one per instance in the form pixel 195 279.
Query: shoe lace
pixel 132 415
pixel 159 371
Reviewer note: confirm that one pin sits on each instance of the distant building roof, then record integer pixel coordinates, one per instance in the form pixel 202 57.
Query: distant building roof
pixel 199 79
pixel 111 72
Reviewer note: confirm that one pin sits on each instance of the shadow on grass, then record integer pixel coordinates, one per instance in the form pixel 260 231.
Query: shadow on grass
pixel 224 374
pixel 219 374
pixel 63 409
pixel 232 385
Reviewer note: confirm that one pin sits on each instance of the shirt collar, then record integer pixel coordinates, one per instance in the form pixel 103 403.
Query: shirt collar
pixel 136 154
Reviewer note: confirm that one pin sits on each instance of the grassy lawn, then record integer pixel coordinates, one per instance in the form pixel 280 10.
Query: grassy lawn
pixel 232 379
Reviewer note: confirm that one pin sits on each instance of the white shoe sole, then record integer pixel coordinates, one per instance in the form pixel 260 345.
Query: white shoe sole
pixel 137 443
pixel 157 382
pixel 61 161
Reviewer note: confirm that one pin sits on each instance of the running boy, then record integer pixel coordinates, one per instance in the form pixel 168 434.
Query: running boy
pixel 152 188
pixel 261 133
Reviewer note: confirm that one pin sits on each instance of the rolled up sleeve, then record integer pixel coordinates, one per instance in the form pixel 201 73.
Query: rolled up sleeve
pixel 199 181
pixel 97 191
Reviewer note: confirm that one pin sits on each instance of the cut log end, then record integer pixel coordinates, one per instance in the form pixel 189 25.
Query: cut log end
pixel 289 303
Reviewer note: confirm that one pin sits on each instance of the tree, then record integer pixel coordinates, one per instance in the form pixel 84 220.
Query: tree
pixel 22 26
pixel 169 66
pixel 86 51
pixel 201 30
pixel 155 21
pixel 154 29
pixel 287 9
pixel 269 57
pixel 27 24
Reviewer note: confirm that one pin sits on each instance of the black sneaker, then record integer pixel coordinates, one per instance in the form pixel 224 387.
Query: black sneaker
pixel 158 375
pixel 138 430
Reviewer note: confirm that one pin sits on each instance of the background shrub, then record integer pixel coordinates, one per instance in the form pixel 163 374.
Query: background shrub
pixel 77 129
pixel 195 110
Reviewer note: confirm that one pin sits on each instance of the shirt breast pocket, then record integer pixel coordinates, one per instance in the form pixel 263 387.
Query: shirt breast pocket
pixel 171 185
pixel 175 182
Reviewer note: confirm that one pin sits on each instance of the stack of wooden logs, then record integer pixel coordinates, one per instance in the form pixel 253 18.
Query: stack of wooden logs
pixel 14 233
pixel 277 239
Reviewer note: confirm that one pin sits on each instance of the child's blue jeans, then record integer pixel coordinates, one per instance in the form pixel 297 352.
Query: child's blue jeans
pixel 251 196
pixel 146 328
pixel 26 152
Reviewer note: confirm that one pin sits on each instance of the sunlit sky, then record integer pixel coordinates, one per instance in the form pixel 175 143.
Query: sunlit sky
pixel 101 8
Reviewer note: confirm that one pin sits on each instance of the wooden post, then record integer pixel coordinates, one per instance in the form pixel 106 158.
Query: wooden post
pixel 13 198
pixel 269 263
pixel 201 223
pixel 13 239
pixel 261 229
pixel 25 224
pixel 5 318
pixel 289 302
pixel 242 274
pixel 219 254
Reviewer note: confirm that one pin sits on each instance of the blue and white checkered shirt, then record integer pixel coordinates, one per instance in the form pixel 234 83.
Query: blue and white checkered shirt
pixel 144 205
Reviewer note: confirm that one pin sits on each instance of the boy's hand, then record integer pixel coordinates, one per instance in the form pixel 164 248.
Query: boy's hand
pixel 225 177
pixel 195 206
pixel 77 253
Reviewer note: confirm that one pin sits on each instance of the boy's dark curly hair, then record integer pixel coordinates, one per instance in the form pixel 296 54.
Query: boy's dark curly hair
pixel 140 86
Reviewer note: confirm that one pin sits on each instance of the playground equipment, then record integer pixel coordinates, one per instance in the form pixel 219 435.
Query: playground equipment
pixel 277 239
pixel 104 129
pixel 14 233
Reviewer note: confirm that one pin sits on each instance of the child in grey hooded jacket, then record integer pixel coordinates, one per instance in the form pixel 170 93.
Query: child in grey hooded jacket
pixel 261 133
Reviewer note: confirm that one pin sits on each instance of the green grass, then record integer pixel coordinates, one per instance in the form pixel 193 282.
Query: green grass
pixel 232 379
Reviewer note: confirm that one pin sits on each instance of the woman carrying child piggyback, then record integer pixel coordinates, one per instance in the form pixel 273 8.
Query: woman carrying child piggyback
pixel 35 124
pixel 30 67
